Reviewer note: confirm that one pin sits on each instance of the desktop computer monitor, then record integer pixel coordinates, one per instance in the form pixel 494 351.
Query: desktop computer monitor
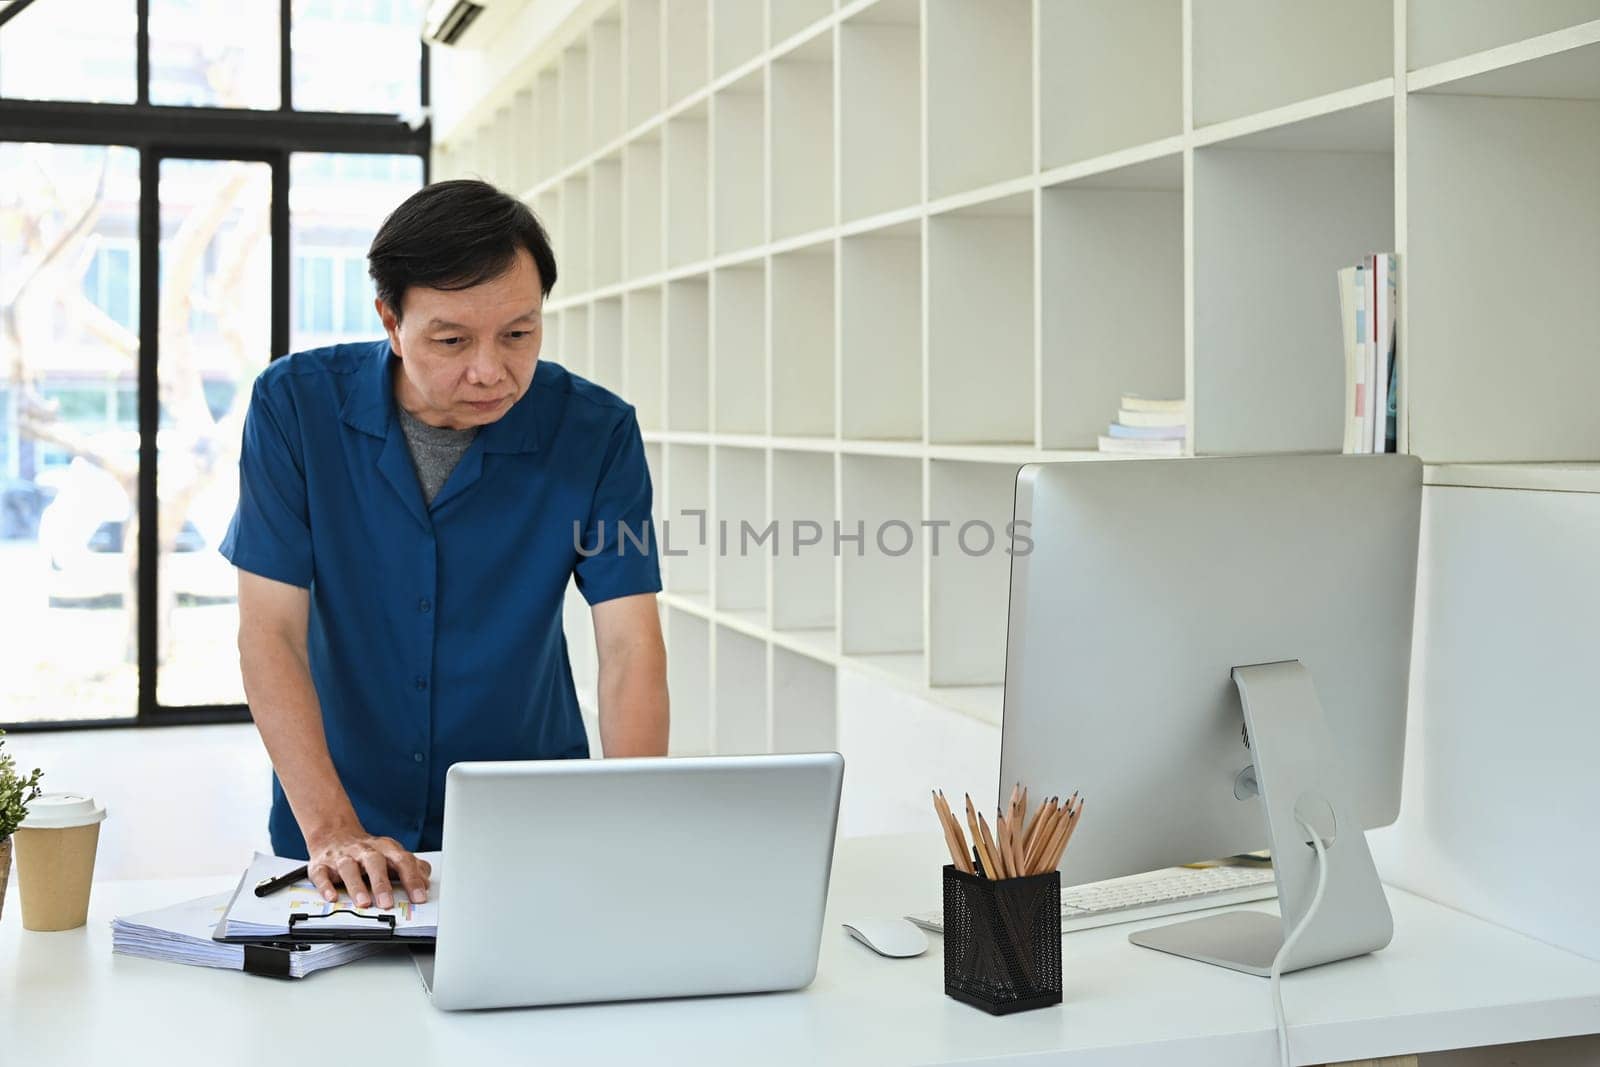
pixel 1148 586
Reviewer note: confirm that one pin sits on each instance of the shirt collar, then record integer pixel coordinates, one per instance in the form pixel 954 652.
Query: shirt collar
pixel 370 406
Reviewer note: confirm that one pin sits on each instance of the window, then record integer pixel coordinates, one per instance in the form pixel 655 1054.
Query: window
pixel 262 246
pixel 79 50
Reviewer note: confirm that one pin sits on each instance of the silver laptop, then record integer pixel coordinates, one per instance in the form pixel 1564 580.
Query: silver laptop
pixel 589 880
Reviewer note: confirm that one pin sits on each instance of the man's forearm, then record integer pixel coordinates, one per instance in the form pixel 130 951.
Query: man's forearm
pixel 633 701
pixel 283 702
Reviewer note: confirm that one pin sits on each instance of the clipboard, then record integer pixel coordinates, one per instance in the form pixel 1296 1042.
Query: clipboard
pixel 305 930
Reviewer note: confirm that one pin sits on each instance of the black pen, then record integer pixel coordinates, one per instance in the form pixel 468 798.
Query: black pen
pixel 268 886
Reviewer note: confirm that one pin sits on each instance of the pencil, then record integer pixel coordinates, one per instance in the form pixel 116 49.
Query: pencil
pixel 949 838
pixel 1002 834
pixel 1001 870
pixel 1072 824
pixel 961 838
pixel 990 868
pixel 1033 824
pixel 1038 834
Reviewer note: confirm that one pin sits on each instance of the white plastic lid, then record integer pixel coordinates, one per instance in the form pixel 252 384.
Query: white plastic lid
pixel 62 811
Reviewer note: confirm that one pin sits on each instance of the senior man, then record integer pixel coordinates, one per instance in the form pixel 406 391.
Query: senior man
pixel 410 512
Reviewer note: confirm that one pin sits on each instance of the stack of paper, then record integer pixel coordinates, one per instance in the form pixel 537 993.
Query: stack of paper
pixel 1147 427
pixel 182 933
pixel 1369 304
pixel 269 916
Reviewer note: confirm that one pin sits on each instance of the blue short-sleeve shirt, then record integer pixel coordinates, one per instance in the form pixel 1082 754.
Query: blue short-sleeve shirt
pixel 435 631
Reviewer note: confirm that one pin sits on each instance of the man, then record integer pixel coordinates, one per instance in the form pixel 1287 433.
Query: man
pixel 410 512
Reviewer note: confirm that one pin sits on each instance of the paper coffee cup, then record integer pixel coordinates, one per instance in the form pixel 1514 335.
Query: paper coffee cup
pixel 55 848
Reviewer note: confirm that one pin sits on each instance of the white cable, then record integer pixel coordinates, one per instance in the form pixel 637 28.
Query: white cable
pixel 1294 935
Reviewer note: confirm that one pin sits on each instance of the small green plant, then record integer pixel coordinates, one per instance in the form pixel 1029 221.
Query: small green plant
pixel 16 792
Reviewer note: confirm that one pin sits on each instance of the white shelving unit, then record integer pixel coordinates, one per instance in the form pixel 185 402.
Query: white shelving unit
pixel 863 258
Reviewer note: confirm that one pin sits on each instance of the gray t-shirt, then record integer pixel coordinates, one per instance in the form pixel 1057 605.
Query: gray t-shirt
pixel 435 450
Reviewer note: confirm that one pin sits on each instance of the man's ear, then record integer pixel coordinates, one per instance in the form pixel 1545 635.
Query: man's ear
pixel 391 323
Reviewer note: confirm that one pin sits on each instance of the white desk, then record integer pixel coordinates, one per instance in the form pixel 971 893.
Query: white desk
pixel 1447 981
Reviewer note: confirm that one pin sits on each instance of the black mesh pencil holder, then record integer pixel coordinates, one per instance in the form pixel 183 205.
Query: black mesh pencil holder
pixel 1002 941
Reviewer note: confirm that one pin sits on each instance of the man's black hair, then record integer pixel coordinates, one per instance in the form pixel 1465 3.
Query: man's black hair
pixel 454 235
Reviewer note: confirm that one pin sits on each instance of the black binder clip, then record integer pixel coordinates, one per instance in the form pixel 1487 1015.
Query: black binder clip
pixel 384 933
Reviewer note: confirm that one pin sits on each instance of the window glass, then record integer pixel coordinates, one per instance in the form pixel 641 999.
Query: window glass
pixel 357 55
pixel 68 460
pixel 214 53
pixel 80 50
pixel 336 203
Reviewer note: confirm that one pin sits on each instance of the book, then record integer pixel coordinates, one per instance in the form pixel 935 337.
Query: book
pixel 1349 299
pixel 1134 446
pixel 181 933
pixel 1152 418
pixel 1147 433
pixel 1132 402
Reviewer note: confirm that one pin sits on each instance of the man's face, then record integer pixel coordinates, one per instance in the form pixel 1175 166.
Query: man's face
pixel 468 354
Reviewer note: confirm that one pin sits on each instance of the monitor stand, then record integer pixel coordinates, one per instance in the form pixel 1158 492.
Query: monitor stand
pixel 1297 779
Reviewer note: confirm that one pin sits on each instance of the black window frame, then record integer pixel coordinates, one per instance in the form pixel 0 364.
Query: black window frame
pixel 170 131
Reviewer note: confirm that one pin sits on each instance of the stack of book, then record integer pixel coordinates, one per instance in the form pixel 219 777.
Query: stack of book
pixel 1146 427
pixel 1369 302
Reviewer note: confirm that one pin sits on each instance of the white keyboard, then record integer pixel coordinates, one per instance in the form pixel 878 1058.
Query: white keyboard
pixel 1173 891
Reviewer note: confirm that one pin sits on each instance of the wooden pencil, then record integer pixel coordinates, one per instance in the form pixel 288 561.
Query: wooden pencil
pixel 991 849
pixel 990 868
pixel 949 835
pixel 1072 824
pixel 1002 833
pixel 961 838
pixel 1039 834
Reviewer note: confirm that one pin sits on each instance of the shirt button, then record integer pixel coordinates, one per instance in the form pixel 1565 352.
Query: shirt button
pixel 424 605
pixel 417 756
pixel 421 683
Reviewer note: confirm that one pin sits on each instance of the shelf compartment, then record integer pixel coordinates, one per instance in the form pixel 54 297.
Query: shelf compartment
pixel 739 302
pixel 741 693
pixel 547 209
pixel 605 79
pixel 547 105
pixel 803 569
pixel 1502 361
pixel 785 18
pixel 1271 229
pixel 575 338
pixel 1438 31
pixel 1559 66
pixel 880 316
pixel 688 683
pixel 688 177
pixel 605 344
pixel 524 120
pixel 980 324
pixel 642 357
pixel 684 522
pixel 552 345
pixel 880 128
pixel 979 78
pixel 1250 57
pixel 641 28
pixel 688 355
pixel 738 144
pixel 738 31
pixel 803 342
pixel 576 246
pixel 804 704
pixel 1111 261
pixel 1110 76
pixel 641 210
pixel 575 130
pixel 881 584
pixel 802 139
pixel 606 226
pixel 688 54
pixel 741 503
pixel 969 570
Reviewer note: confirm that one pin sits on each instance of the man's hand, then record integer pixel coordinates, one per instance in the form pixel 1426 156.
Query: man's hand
pixel 358 860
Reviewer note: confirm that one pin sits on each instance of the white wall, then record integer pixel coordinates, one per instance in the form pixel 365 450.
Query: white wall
pixel 1498 817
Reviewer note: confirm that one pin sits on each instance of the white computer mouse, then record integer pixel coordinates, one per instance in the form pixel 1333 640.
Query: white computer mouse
pixel 896 938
